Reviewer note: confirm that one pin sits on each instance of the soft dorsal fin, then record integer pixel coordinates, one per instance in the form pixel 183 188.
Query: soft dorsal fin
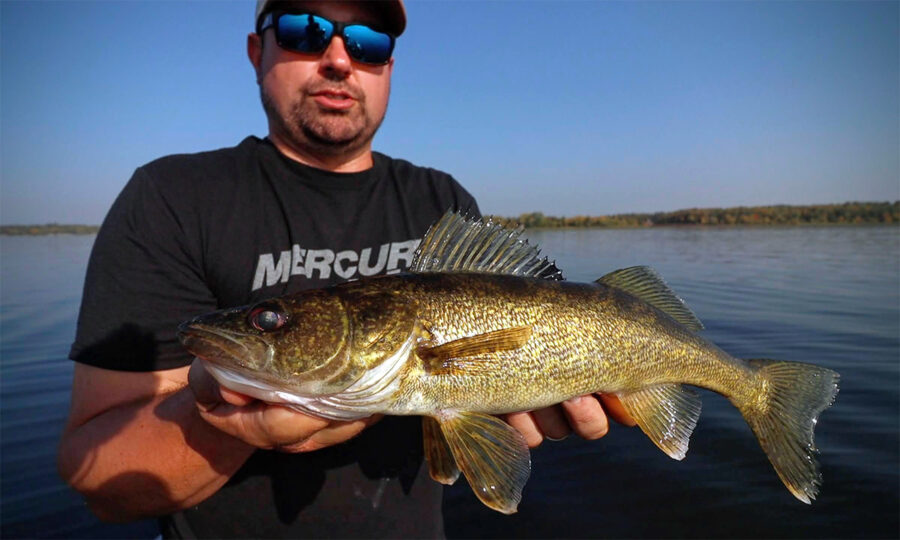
pixel 644 283
pixel 458 244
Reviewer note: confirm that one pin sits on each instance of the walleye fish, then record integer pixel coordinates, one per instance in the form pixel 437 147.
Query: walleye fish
pixel 481 325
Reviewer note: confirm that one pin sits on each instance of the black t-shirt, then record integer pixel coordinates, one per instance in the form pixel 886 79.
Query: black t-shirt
pixel 194 233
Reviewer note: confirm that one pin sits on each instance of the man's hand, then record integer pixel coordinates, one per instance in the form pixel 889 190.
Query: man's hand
pixel 587 416
pixel 265 425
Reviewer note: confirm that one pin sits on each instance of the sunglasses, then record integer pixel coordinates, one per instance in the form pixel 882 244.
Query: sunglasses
pixel 311 34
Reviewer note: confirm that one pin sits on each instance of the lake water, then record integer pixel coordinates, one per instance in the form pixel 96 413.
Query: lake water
pixel 827 295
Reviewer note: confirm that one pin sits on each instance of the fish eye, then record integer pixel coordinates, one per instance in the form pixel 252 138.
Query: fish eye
pixel 267 318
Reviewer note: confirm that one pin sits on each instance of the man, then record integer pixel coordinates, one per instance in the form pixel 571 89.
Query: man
pixel 150 433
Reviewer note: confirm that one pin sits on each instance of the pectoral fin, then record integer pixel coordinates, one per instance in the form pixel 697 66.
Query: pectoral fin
pixel 505 339
pixel 491 454
pixel 441 464
pixel 667 413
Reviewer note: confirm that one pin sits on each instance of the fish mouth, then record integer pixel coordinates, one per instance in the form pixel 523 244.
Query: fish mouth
pixel 233 350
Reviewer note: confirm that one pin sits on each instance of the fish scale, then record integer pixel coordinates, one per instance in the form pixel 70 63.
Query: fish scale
pixel 556 363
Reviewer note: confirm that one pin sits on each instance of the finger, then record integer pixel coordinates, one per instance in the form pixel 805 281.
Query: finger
pixel 237 421
pixel 551 421
pixel 284 426
pixel 204 387
pixel 235 398
pixel 276 427
pixel 334 434
pixel 527 426
pixel 586 416
pixel 616 410
pixel 264 425
pixel 207 391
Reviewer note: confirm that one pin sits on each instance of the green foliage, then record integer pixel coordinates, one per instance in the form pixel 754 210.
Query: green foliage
pixel 821 214
pixel 50 228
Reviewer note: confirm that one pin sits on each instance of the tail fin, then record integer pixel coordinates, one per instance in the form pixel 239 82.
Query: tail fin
pixel 783 419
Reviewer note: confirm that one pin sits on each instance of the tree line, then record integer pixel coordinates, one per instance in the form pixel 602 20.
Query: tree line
pixel 50 228
pixel 820 214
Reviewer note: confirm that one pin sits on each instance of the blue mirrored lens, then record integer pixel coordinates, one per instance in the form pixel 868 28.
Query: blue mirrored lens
pixel 367 45
pixel 309 33
pixel 304 33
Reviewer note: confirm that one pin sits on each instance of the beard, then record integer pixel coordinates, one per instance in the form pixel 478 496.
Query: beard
pixel 328 132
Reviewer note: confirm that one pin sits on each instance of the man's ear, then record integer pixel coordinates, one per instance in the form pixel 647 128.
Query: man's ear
pixel 254 53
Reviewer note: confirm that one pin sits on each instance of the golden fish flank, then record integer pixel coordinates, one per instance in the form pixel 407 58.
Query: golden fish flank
pixel 481 326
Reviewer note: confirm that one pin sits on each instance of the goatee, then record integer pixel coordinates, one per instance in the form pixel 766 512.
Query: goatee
pixel 330 132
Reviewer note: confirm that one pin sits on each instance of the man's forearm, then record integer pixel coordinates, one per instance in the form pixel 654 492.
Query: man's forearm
pixel 148 458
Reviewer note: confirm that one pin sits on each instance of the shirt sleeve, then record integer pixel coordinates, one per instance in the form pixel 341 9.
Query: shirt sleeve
pixel 465 202
pixel 144 277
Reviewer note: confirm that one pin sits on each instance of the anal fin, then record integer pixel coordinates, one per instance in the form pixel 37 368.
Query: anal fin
pixel 492 455
pixel 666 413
pixel 441 464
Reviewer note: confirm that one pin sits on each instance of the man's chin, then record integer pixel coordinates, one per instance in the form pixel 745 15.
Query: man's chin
pixel 333 143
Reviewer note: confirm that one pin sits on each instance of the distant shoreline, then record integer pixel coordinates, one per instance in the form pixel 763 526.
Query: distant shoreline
pixel 849 213
pixel 49 228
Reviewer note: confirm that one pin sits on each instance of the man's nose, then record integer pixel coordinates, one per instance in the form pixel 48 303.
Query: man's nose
pixel 335 61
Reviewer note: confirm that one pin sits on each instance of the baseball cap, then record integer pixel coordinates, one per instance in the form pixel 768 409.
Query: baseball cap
pixel 393 13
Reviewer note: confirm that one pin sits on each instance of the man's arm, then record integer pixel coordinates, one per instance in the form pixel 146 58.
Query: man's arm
pixel 138 445
pixel 135 445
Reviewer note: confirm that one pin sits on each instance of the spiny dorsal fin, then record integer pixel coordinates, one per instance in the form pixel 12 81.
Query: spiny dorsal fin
pixel 458 244
pixel 644 283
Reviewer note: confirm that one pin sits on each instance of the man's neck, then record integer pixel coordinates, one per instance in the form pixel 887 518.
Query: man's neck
pixel 360 160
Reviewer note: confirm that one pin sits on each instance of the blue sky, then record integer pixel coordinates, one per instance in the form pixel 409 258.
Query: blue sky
pixel 563 107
